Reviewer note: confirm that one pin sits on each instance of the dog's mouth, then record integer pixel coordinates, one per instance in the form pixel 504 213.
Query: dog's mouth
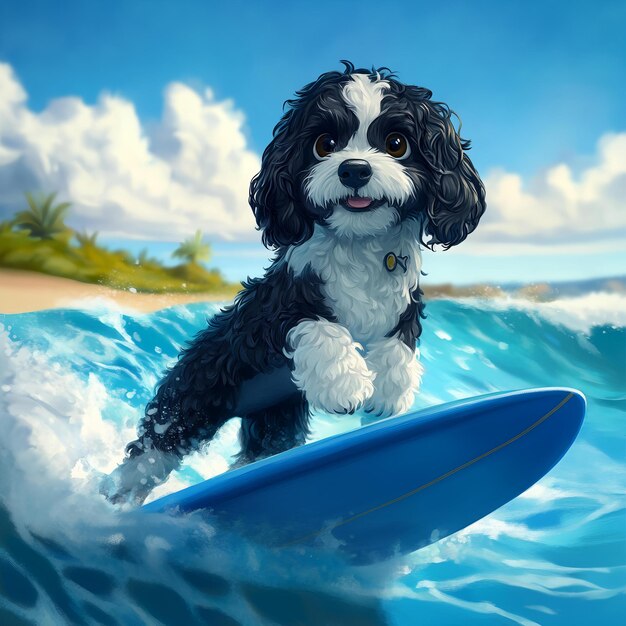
pixel 357 204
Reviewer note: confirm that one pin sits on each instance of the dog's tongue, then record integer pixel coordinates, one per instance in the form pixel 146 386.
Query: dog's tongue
pixel 359 203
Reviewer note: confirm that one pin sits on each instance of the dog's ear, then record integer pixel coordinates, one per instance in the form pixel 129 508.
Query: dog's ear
pixel 456 198
pixel 274 194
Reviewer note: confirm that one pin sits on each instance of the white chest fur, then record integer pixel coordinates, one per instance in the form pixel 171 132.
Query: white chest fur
pixel 365 297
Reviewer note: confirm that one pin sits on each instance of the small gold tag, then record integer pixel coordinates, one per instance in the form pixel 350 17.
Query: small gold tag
pixel 392 261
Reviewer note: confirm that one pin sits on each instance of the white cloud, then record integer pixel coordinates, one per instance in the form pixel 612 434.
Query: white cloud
pixel 558 209
pixel 191 170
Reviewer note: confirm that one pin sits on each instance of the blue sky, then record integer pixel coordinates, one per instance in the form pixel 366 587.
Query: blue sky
pixel 536 84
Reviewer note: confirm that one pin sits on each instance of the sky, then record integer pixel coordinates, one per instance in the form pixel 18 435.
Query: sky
pixel 151 117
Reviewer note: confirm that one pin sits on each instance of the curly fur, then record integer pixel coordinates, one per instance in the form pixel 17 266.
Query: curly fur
pixel 328 366
pixel 327 307
pixel 364 296
pixel 397 376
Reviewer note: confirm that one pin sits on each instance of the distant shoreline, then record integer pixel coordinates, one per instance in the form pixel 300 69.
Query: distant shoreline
pixel 22 291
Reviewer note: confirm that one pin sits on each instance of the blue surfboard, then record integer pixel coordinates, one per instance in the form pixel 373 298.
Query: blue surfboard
pixel 399 484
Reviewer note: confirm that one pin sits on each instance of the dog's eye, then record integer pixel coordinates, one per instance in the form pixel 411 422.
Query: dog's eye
pixel 324 145
pixel 397 146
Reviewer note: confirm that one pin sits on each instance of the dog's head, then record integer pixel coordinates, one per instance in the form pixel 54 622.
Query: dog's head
pixel 359 151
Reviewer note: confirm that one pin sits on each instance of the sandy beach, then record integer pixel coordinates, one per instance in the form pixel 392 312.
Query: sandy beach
pixel 22 291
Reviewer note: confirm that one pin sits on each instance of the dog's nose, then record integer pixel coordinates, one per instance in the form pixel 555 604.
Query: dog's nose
pixel 354 173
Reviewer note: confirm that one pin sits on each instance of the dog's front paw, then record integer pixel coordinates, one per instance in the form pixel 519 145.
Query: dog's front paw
pixel 383 406
pixel 398 377
pixel 131 482
pixel 328 367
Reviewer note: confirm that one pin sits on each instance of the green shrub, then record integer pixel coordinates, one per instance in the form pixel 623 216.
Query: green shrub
pixel 38 240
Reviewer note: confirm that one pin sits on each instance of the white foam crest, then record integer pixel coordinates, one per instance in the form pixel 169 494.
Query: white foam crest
pixel 527 564
pixel 101 305
pixel 430 592
pixel 55 440
pixel 205 463
pixel 57 443
pixel 494 528
pixel 535 582
pixel 579 314
pixel 546 492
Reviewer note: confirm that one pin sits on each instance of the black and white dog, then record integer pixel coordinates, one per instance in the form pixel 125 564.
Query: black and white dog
pixel 361 170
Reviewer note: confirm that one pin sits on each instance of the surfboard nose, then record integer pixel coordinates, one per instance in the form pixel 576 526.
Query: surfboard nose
pixel 572 406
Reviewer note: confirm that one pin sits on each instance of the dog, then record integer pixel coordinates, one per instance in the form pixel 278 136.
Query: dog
pixel 361 173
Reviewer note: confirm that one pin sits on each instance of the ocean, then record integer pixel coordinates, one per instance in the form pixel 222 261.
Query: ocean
pixel 73 383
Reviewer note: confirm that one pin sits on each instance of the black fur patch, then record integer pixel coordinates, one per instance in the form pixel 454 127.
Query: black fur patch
pixel 409 326
pixel 199 393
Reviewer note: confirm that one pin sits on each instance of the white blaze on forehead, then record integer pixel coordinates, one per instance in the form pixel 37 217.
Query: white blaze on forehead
pixel 364 97
pixel 389 181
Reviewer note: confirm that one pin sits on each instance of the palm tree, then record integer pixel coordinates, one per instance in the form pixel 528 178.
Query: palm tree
pixel 43 218
pixel 142 257
pixel 86 240
pixel 193 249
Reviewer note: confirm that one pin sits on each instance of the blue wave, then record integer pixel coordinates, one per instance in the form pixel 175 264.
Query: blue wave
pixel 73 384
